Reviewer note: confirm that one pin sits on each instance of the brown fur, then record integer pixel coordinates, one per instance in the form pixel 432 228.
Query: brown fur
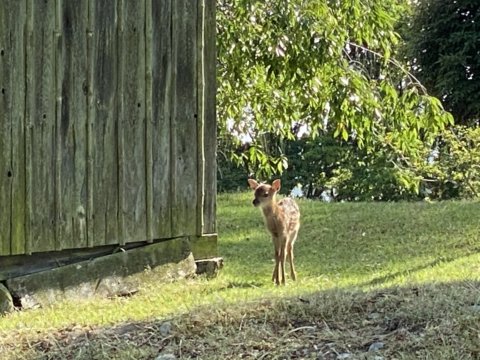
pixel 282 219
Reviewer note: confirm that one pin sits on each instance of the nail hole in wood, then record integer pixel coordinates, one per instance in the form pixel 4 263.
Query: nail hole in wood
pixel 3 91
pixel 9 174
pixel 2 52
pixel 139 105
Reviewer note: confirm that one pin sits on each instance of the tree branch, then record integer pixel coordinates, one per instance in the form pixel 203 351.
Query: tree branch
pixel 394 62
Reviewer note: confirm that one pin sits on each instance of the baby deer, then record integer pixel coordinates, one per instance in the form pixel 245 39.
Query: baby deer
pixel 282 219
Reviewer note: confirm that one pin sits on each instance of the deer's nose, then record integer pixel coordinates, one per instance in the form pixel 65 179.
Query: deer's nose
pixel 255 202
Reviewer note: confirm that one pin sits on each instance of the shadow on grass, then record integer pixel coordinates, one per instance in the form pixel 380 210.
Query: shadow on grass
pixel 243 284
pixel 426 321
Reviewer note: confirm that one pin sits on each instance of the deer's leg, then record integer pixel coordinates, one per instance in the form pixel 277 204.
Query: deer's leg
pixel 293 274
pixel 283 256
pixel 290 244
pixel 277 263
pixel 275 269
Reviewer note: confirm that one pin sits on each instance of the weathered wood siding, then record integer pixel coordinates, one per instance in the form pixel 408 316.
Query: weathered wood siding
pixel 12 127
pixel 107 122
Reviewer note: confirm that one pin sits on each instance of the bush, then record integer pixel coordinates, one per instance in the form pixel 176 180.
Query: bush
pixel 345 172
pixel 453 170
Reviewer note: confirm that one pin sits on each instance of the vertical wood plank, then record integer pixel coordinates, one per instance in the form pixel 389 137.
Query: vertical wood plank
pixel 103 117
pixel 121 114
pixel 29 111
pixel 210 125
pixel 200 116
pixel 16 24
pixel 206 122
pixel 60 232
pixel 41 103
pixel 71 124
pixel 90 123
pixel 148 119
pixel 5 131
pixel 161 111
pixel 184 118
pixel 132 122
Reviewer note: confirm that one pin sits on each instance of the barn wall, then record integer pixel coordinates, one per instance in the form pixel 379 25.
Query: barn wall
pixel 107 122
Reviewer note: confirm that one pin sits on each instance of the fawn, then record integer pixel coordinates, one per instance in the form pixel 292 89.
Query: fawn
pixel 282 219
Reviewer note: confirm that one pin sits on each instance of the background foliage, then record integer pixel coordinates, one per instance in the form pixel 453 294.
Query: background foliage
pixel 455 170
pixel 327 95
pixel 442 40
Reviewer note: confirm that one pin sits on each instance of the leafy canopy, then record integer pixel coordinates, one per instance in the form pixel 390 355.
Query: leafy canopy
pixel 326 65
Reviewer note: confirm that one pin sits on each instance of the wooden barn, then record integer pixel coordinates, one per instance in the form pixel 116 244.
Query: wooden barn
pixel 107 130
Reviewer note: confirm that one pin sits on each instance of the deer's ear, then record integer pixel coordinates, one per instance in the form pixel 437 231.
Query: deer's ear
pixel 276 185
pixel 253 184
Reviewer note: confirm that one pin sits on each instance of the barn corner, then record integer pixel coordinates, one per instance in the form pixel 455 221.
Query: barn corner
pixel 107 146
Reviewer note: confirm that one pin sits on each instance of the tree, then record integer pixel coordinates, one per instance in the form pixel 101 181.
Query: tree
pixel 326 65
pixel 444 42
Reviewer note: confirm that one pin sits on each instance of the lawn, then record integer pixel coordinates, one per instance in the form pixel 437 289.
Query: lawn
pixel 376 280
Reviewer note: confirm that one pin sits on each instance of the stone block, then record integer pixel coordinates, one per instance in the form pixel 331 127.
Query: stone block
pixel 112 275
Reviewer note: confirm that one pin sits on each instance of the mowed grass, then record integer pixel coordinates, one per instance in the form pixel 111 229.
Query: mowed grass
pixel 405 275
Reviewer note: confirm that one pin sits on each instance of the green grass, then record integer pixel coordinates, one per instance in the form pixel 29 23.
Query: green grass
pixel 362 267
